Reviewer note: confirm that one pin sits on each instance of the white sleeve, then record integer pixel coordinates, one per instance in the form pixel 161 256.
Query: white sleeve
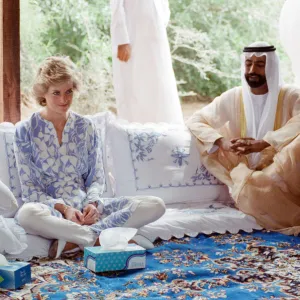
pixel 167 12
pixel 118 27
pixel 213 149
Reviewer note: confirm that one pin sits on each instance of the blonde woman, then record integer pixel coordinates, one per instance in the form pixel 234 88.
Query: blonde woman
pixel 61 172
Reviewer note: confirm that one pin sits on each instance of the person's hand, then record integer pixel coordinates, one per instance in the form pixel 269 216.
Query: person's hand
pixel 241 145
pixel 74 215
pixel 224 144
pixel 91 215
pixel 244 146
pixel 124 52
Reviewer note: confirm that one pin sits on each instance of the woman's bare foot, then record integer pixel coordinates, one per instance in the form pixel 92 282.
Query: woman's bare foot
pixel 53 248
pixel 132 242
pixel 98 242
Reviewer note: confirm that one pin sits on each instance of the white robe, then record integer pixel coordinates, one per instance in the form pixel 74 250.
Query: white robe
pixel 258 102
pixel 145 86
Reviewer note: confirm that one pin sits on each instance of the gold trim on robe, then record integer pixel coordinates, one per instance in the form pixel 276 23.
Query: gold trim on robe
pixel 278 118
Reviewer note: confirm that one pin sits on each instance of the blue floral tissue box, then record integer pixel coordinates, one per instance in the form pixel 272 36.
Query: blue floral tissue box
pixel 15 275
pixel 99 260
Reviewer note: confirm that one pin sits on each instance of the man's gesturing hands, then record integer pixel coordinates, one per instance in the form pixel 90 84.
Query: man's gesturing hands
pixel 242 146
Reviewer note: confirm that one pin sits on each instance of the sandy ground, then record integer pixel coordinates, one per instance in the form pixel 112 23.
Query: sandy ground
pixel 188 108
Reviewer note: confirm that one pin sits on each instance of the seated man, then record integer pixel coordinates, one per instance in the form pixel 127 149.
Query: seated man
pixel 249 138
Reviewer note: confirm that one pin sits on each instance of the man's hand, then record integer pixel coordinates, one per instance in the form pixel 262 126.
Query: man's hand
pixel 74 215
pixel 244 146
pixel 91 215
pixel 124 52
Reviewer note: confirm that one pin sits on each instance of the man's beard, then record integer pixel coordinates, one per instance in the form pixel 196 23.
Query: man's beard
pixel 258 83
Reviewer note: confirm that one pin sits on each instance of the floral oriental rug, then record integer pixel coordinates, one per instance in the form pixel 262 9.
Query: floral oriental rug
pixel 260 265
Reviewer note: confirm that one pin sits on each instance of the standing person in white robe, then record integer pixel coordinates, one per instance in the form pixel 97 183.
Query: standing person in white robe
pixel 144 80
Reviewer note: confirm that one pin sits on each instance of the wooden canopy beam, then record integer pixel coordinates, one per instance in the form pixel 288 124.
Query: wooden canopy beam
pixel 10 103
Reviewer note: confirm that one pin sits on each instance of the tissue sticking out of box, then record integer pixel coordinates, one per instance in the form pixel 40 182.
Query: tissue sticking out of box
pixel 116 238
pixel 3 261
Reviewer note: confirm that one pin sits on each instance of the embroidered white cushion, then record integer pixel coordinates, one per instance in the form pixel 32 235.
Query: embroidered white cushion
pixel 159 160
pixel 8 168
pixel 101 120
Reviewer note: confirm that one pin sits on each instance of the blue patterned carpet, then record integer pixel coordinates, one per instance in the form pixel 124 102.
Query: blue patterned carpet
pixel 230 266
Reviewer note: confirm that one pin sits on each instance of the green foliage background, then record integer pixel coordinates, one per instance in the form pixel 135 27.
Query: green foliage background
pixel 206 38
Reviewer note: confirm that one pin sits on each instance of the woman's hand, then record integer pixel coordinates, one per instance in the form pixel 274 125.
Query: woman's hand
pixel 74 215
pixel 91 214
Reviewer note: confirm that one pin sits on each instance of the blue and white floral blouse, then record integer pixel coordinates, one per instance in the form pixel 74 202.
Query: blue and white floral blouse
pixel 70 173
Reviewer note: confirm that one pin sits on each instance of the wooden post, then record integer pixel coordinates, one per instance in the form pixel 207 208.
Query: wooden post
pixel 1 61
pixel 10 61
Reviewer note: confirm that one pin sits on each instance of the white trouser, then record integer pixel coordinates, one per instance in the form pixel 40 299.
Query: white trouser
pixel 36 219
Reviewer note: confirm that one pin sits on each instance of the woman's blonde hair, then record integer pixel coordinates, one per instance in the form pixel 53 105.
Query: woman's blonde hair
pixel 54 70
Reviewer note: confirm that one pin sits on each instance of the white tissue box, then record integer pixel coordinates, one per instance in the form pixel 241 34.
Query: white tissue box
pixel 99 260
pixel 15 275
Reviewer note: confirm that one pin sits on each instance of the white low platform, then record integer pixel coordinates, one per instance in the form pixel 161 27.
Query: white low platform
pixel 199 218
pixel 178 221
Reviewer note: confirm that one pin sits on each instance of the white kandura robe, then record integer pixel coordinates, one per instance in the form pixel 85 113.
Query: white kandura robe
pixel 258 102
pixel 145 86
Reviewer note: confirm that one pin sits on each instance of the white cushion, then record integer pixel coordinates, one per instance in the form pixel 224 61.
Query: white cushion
pixel 8 169
pixel 37 246
pixel 12 237
pixel 8 202
pixel 101 120
pixel 160 160
pixel 29 246
pixel 194 218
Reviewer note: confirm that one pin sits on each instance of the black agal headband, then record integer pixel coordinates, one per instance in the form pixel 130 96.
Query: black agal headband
pixel 259 49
